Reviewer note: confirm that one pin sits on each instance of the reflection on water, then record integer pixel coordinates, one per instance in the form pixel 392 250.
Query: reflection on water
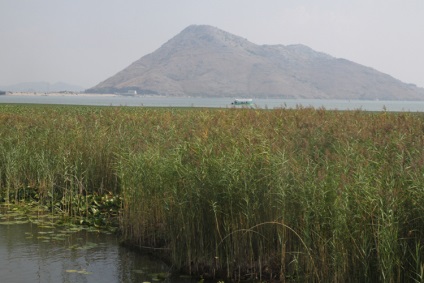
pixel 29 253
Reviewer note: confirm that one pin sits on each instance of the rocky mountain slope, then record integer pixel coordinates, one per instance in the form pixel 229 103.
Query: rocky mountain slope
pixel 206 61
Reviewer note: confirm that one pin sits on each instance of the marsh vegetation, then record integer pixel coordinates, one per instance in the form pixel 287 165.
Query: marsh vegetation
pixel 289 194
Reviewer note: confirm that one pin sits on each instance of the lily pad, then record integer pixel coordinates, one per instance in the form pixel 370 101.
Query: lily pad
pixel 46 226
pixel 75 229
pixel 138 271
pixel 159 276
pixel 87 246
pixel 14 222
pixel 78 271
pixel 20 218
pixel 58 238
pixel 84 272
pixel 45 232
pixel 43 238
pixel 60 235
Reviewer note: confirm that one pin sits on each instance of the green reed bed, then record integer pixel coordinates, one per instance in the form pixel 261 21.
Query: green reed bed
pixel 57 156
pixel 294 195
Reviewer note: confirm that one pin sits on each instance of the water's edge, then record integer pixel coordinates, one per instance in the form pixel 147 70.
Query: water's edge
pixel 67 253
pixel 271 103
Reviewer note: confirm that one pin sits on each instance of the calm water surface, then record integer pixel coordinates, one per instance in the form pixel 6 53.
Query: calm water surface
pixel 29 253
pixel 367 105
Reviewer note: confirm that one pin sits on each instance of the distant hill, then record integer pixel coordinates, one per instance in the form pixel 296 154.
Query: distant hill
pixel 42 87
pixel 206 61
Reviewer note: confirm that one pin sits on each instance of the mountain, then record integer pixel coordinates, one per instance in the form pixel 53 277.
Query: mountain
pixel 42 87
pixel 206 61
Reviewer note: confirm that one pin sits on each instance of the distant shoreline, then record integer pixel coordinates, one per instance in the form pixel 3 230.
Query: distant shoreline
pixel 58 94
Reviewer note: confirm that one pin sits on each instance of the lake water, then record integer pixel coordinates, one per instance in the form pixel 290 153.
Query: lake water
pixel 30 253
pixel 367 105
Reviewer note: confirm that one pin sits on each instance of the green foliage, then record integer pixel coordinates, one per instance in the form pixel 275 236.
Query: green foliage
pixel 297 195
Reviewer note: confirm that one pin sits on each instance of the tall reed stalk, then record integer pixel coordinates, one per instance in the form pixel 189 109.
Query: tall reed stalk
pixel 289 194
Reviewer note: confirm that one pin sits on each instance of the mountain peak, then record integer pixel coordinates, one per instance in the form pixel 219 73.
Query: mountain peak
pixel 206 36
pixel 203 60
pixel 200 29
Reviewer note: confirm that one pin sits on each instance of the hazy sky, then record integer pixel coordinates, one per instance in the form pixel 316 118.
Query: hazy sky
pixel 84 42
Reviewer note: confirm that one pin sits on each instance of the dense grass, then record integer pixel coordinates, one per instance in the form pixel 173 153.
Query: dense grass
pixel 296 195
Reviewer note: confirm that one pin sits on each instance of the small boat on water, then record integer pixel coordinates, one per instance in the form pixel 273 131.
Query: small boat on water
pixel 244 101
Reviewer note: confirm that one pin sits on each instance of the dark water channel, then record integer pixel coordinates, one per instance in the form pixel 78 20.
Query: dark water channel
pixel 41 253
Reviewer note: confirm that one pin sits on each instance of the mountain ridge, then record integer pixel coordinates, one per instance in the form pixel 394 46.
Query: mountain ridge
pixel 205 61
pixel 42 87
